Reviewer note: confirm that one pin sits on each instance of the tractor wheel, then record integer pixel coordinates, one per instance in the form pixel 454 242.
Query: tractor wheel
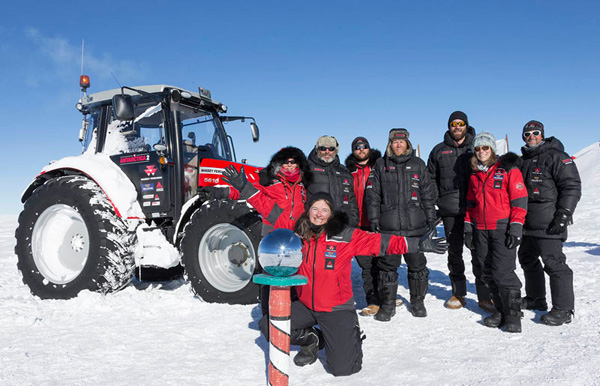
pixel 69 239
pixel 219 252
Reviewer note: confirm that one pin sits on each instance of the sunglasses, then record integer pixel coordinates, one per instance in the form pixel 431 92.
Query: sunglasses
pixel 360 147
pixel 328 148
pixel 534 132
pixel 290 162
pixel 480 148
pixel 457 124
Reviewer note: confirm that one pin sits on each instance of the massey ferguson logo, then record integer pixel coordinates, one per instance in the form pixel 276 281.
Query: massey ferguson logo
pixel 150 170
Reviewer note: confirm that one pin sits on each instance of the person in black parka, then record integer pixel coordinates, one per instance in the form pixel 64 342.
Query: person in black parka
pixel 330 176
pixel 554 189
pixel 449 168
pixel 401 200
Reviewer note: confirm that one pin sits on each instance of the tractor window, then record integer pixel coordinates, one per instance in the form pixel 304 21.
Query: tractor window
pixel 137 136
pixel 204 136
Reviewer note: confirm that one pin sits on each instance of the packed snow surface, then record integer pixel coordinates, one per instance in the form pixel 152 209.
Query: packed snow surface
pixel 160 334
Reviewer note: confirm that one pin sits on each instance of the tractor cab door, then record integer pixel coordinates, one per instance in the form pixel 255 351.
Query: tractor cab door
pixel 137 147
pixel 202 139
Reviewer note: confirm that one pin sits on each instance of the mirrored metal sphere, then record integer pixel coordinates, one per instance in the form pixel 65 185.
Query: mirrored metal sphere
pixel 280 252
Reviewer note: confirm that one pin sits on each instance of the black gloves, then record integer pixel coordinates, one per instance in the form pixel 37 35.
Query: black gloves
pixel 212 192
pixel 429 244
pixel 512 241
pixel 469 240
pixel 234 178
pixel 374 227
pixel 562 218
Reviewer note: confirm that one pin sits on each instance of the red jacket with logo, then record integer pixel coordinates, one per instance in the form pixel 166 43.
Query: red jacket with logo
pixel 280 204
pixel 327 264
pixel 497 199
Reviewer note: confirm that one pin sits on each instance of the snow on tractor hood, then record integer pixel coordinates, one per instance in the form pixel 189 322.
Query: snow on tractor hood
pixel 117 187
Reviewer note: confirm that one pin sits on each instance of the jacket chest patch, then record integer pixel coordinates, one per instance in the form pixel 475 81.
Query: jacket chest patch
pixel 329 264
pixel 414 196
pixel 447 152
pixel 391 168
pixel 415 177
pixel 415 185
pixel 498 176
pixel 536 191
pixel 331 252
pixel 497 184
pixel 536 171
pixel 346 182
pixel 318 170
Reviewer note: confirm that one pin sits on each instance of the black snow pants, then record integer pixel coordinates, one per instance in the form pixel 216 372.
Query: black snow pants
pixel 370 273
pixel 555 265
pixel 498 262
pixel 454 226
pixel 341 332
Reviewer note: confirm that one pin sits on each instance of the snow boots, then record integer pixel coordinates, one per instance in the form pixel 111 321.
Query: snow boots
pixel 556 317
pixel 418 283
pixel 538 304
pixel 511 301
pixel 310 341
pixel 388 288
pixel 496 320
pixel 459 290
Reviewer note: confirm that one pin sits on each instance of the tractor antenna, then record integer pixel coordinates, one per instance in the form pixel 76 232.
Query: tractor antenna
pixel 116 80
pixel 82 43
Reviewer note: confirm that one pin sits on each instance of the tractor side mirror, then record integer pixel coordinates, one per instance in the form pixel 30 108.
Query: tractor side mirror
pixel 255 133
pixel 123 107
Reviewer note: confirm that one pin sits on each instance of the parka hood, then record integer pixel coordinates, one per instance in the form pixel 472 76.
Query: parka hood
pixel 269 173
pixel 351 162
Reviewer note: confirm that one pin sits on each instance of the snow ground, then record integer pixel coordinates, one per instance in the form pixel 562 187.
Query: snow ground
pixel 159 334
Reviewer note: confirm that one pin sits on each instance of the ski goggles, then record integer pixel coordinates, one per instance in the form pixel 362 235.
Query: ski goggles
pixel 457 124
pixel 326 148
pixel 529 133
pixel 480 148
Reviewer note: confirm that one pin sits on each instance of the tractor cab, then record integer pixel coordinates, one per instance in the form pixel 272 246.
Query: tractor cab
pixel 163 138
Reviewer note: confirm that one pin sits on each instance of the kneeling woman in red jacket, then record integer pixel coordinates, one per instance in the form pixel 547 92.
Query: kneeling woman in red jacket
pixel 496 209
pixel 328 246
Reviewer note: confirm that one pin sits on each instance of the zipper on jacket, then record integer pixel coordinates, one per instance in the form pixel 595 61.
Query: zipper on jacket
pixel 313 268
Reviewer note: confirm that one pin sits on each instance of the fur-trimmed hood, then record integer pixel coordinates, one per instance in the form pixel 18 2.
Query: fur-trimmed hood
pixel 351 163
pixel 338 222
pixel 510 161
pixel 269 173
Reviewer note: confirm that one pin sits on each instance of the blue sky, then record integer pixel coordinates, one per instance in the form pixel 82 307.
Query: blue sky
pixel 304 69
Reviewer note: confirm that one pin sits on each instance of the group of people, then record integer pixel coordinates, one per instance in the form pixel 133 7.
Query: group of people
pixel 384 206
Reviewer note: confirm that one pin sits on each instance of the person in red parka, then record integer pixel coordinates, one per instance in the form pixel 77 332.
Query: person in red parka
pixel 280 198
pixel 496 210
pixel 328 246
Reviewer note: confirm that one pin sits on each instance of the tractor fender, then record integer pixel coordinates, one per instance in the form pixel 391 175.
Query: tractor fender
pixel 109 177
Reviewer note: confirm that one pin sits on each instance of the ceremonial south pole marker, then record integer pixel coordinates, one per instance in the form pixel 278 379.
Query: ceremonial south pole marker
pixel 280 307
pixel 280 255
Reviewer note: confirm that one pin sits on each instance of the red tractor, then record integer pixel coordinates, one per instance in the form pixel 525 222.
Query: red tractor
pixel 131 200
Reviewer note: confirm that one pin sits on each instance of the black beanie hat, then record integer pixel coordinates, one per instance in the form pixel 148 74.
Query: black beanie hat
pixel 358 141
pixel 319 196
pixel 534 125
pixel 458 115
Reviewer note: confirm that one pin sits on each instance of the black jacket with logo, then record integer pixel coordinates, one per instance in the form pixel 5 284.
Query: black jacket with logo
pixel 335 179
pixel 450 169
pixel 552 182
pixel 400 195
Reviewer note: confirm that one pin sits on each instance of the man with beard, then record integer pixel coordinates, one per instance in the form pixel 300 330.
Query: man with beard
pixel 330 176
pixel 359 163
pixel 401 201
pixel 450 170
pixel 554 189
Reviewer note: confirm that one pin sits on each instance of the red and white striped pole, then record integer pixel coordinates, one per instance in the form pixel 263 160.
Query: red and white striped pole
pixel 279 332
pixel 280 309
